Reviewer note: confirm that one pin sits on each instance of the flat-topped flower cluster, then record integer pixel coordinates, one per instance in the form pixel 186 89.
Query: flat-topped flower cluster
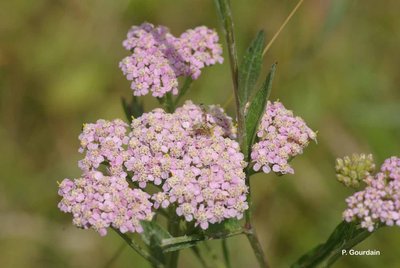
pixel 188 160
pixel 281 136
pixel 189 155
pixel 379 202
pixel 158 58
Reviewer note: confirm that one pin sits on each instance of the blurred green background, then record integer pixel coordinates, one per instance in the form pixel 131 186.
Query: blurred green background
pixel 338 69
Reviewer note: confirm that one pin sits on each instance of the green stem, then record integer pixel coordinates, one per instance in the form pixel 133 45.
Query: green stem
pixel 139 250
pixel 174 230
pixel 133 109
pixel 225 14
pixel 200 257
pixel 183 90
pixel 257 249
pixel 225 251
pixel 169 104
pixel 115 256
pixel 251 232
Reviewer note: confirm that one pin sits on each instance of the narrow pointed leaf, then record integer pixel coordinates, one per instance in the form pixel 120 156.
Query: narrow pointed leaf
pixel 344 237
pixel 182 242
pixel 250 68
pixel 225 229
pixel 152 236
pixel 257 108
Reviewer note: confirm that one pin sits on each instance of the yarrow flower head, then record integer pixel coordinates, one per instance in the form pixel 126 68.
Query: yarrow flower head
pixel 379 202
pixel 281 136
pixel 190 155
pixel 351 171
pixel 97 201
pixel 159 58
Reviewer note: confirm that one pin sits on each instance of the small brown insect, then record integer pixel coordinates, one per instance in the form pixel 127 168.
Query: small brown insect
pixel 203 127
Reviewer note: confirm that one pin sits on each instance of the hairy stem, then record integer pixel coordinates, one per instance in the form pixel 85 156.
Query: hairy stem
pixel 251 232
pixel 225 14
pixel 257 249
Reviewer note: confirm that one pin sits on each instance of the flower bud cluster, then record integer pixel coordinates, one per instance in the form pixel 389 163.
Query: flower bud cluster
pixel 351 171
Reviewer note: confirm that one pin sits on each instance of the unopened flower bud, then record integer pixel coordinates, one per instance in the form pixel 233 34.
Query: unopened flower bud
pixel 352 170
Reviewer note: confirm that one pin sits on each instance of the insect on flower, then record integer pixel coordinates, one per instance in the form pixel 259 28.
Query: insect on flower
pixel 203 128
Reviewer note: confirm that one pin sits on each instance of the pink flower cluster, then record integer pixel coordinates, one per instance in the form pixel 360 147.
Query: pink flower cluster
pixel 189 155
pixel 281 136
pixel 197 48
pixel 97 201
pixel 103 142
pixel 158 58
pixel 379 202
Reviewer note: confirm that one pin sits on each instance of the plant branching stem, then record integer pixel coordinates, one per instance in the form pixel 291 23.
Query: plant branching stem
pixel 250 231
pixel 169 103
pixel 199 256
pixel 225 14
pixel 173 223
pixel 183 90
pixel 224 10
pixel 173 229
pixel 139 250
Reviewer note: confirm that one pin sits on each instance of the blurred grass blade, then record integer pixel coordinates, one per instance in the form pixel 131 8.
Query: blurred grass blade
pixel 110 263
pixel 282 26
pixel 225 252
pixel 250 68
pixel 152 236
pixel 344 237
pixel 257 108
pixel 225 15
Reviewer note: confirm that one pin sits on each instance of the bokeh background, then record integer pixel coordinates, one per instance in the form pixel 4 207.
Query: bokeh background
pixel 338 69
